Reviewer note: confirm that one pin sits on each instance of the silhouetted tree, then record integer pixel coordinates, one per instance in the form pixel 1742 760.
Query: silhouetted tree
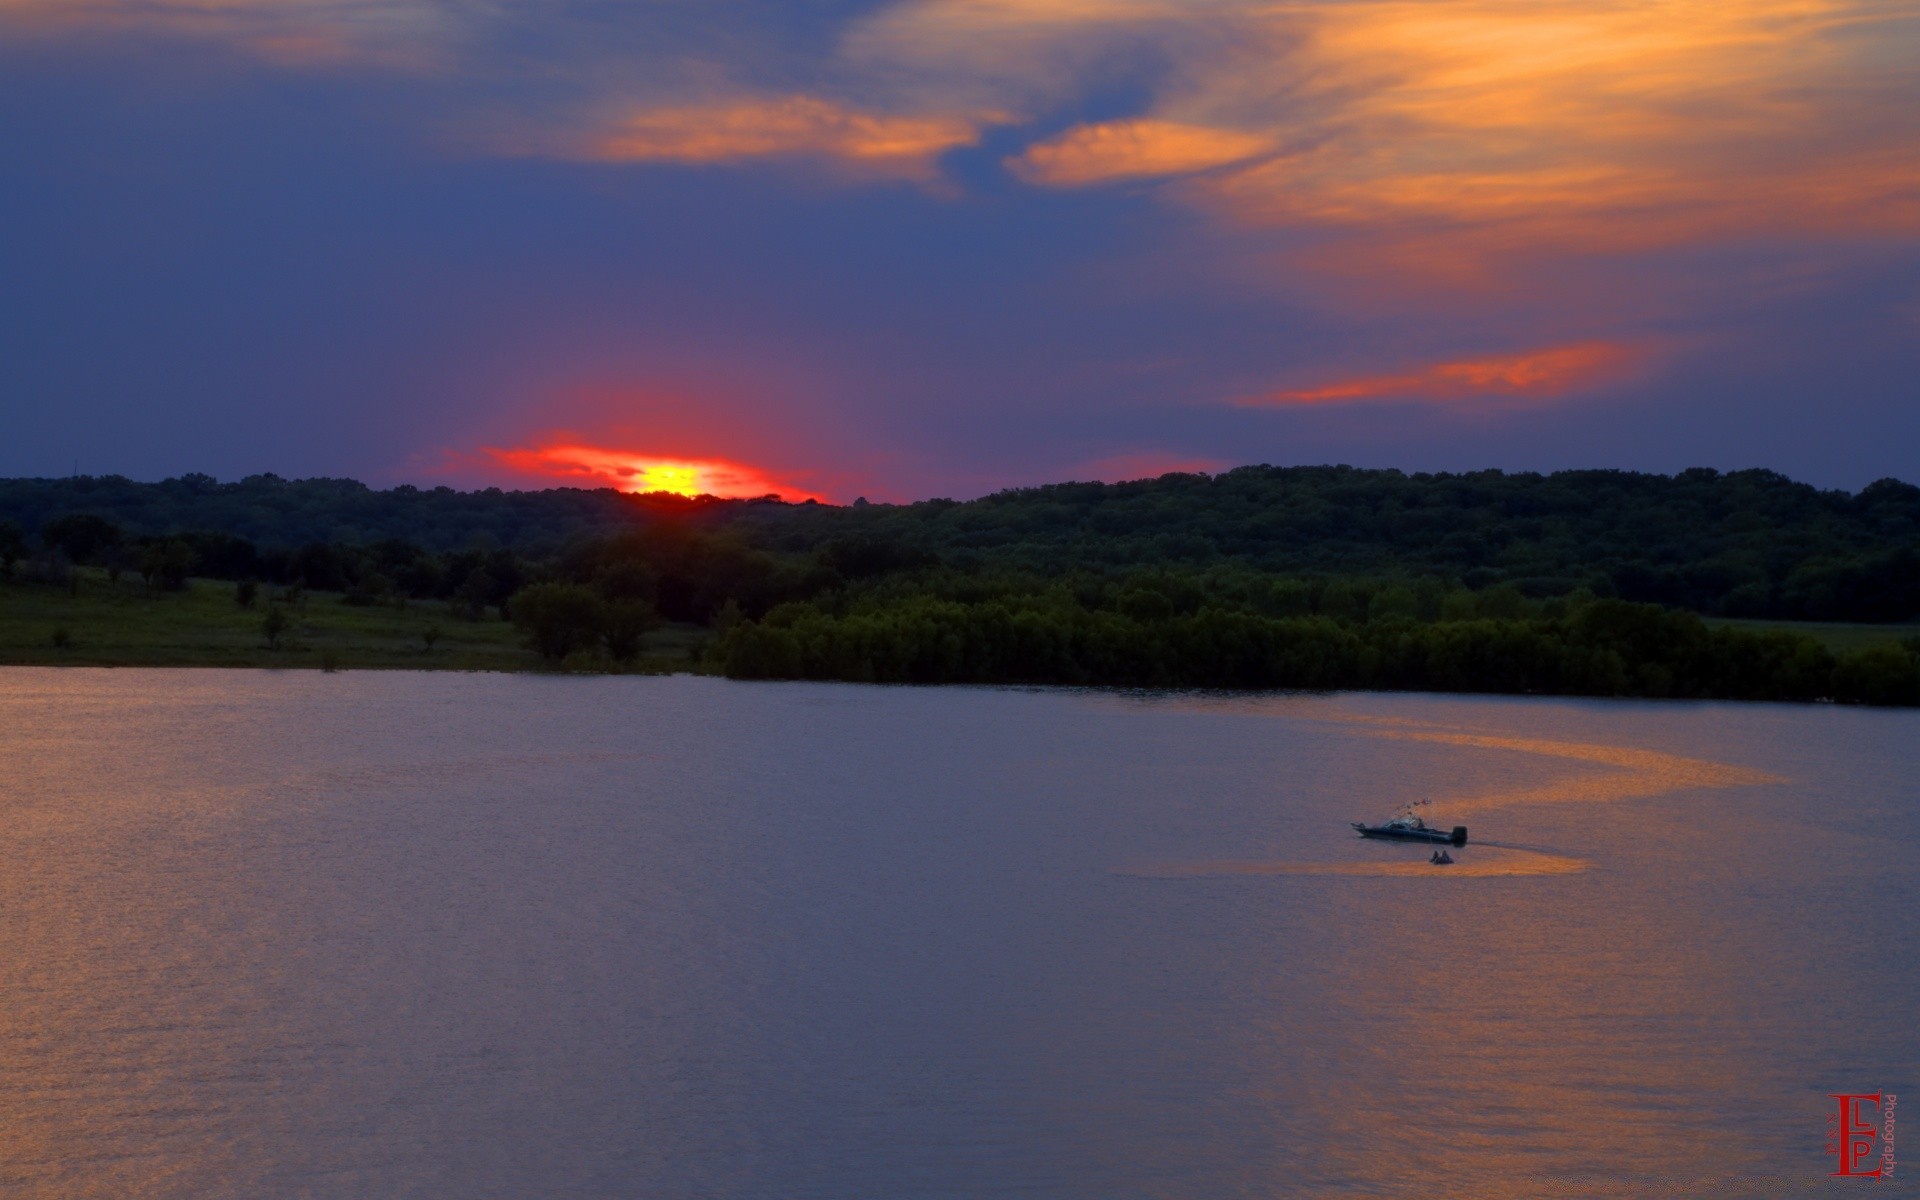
pixel 371 588
pixel 166 564
pixel 13 547
pixel 624 626
pixel 558 618
pixel 627 579
pixel 1878 675
pixel 474 594
pixel 80 536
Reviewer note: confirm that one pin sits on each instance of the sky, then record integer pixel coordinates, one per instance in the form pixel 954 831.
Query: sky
pixel 913 248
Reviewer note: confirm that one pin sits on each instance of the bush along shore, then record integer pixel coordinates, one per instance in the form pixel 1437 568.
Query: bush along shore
pixel 1597 648
pixel 1123 633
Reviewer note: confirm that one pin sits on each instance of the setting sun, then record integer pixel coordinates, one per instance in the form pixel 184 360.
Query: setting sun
pixel 630 471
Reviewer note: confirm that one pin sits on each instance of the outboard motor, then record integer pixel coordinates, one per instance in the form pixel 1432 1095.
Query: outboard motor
pixel 1459 837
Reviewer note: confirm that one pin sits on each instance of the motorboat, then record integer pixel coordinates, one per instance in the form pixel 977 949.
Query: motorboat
pixel 1409 827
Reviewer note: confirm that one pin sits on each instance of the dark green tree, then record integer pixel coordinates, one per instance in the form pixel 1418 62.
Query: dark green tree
pixel 557 618
pixel 625 626
pixel 1886 674
pixel 13 547
pixel 371 588
pixel 166 564
pixel 627 579
pixel 80 536
pixel 476 591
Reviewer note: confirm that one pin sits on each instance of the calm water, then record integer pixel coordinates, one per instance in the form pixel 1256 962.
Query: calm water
pixel 368 934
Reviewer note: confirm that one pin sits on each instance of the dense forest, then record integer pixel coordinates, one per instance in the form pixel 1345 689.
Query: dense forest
pixel 1749 543
pixel 1746 543
pixel 1577 583
pixel 282 513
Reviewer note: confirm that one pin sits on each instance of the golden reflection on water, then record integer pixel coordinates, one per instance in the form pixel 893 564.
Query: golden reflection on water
pixel 229 966
pixel 1526 1045
pixel 1631 774
pixel 1485 862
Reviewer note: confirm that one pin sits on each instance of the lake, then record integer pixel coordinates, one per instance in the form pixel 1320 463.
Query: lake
pixel 435 935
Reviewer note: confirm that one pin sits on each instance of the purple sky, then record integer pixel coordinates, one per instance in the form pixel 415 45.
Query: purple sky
pixel 938 247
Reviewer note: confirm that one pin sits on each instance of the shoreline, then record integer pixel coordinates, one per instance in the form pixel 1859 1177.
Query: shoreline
pixel 682 671
pixel 205 625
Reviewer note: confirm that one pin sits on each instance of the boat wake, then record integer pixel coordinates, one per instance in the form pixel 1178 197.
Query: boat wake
pixel 1604 774
pixel 1626 773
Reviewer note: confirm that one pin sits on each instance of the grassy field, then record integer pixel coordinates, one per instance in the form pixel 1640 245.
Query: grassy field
pixel 127 624
pixel 1834 635
pixel 104 623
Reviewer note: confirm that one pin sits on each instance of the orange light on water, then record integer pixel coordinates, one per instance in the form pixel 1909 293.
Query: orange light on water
pixel 630 471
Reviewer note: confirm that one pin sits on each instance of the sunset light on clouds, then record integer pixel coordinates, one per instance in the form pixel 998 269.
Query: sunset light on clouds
pixel 1533 375
pixel 958 244
pixel 793 126
pixel 1133 150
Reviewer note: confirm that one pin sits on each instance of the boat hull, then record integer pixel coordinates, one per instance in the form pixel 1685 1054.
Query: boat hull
pixel 1439 837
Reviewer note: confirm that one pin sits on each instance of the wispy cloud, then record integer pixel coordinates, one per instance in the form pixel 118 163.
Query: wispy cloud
pixel 1497 125
pixel 788 126
pixel 1556 123
pixel 406 34
pixel 1581 126
pixel 1142 149
pixel 1530 375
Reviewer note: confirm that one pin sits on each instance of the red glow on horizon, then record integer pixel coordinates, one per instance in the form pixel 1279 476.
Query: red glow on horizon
pixel 630 471
pixel 1534 375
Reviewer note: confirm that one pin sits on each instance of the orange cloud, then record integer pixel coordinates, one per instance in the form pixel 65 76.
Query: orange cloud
pixel 1554 125
pixel 1453 133
pixel 633 472
pixel 400 34
pixel 1461 141
pixel 1534 375
pixel 1144 149
pixel 1440 129
pixel 787 126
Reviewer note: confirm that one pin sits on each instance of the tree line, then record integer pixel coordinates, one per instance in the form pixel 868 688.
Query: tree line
pixel 1584 646
pixel 885 594
pixel 863 611
pixel 1737 544
pixel 272 511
